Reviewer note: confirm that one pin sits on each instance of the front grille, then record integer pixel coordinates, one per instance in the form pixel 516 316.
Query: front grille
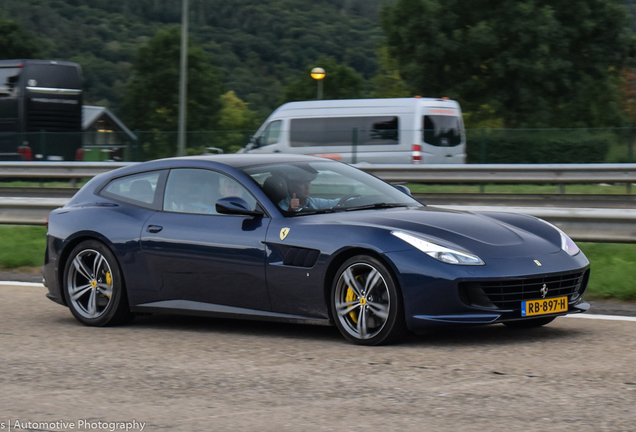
pixel 54 121
pixel 507 294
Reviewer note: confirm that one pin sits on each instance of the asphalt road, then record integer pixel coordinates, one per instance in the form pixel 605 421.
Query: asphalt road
pixel 191 374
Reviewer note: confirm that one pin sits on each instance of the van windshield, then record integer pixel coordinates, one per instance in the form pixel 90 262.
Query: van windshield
pixel 441 130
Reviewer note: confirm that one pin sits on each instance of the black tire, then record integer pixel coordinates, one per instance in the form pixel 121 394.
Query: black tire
pixel 94 287
pixel 530 323
pixel 364 287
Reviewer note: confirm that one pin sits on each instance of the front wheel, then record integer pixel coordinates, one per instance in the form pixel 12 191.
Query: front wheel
pixel 94 286
pixel 366 304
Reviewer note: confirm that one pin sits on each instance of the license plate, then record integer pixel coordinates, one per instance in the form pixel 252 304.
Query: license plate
pixel 544 306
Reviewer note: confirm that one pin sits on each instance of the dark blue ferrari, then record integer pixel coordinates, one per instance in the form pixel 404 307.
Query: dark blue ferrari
pixel 300 239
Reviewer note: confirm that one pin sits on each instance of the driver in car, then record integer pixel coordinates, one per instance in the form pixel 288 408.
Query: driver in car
pixel 298 188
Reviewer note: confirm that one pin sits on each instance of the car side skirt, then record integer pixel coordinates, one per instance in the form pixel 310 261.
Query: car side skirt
pixel 188 307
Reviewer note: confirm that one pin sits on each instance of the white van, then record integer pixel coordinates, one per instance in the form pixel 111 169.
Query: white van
pixel 399 131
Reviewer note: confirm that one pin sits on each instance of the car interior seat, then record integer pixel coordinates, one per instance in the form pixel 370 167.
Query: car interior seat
pixel 141 190
pixel 275 187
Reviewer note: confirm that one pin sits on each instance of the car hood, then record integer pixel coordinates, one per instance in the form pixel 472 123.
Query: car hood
pixel 472 232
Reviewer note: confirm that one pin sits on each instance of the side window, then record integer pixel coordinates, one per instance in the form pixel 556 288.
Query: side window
pixel 383 130
pixel 196 191
pixel 139 189
pixel 339 131
pixel 271 134
pixel 8 80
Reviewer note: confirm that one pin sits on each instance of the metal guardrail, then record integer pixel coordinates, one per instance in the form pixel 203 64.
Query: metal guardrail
pixel 438 173
pixel 28 211
pixel 57 170
pixel 494 173
pixel 583 224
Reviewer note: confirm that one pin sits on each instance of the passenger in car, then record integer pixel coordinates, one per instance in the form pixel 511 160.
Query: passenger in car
pixel 299 189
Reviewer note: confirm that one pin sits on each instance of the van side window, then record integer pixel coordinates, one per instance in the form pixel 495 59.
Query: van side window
pixel 339 131
pixel 442 131
pixel 271 134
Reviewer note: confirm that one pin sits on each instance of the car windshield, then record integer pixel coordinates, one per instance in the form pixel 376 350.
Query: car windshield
pixel 303 188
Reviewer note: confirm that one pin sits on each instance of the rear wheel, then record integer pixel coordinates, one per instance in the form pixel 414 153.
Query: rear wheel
pixel 94 286
pixel 530 323
pixel 366 304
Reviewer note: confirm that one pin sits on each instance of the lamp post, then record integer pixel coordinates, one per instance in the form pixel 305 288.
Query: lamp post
pixel 183 81
pixel 318 74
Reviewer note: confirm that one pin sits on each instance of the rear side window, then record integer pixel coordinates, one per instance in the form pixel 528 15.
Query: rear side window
pixel 342 131
pixel 139 189
pixel 442 131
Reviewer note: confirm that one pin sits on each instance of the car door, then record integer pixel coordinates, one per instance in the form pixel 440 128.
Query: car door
pixel 197 254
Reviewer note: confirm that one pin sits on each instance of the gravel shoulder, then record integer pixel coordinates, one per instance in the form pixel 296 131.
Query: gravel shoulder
pixel 195 374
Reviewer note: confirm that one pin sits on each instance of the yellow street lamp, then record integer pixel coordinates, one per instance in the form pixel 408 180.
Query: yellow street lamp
pixel 318 74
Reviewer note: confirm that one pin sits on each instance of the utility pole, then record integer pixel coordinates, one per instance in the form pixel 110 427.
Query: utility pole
pixel 183 80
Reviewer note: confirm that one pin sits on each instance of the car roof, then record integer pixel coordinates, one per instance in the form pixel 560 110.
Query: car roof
pixel 245 160
pixel 236 161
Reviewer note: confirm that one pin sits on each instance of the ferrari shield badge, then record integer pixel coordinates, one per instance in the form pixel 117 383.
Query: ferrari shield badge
pixel 283 233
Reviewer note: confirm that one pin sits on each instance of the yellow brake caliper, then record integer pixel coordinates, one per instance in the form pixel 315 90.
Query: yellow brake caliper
pixel 109 280
pixel 351 296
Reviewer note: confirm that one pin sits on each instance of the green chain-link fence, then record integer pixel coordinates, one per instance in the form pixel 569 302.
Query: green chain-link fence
pixel 484 145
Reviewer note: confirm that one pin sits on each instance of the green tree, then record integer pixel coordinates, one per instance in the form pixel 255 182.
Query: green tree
pixel 340 82
pixel 236 124
pixel 387 83
pixel 536 63
pixel 151 102
pixel 15 42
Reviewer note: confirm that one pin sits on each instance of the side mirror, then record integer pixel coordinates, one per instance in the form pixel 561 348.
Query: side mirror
pixel 235 206
pixel 403 189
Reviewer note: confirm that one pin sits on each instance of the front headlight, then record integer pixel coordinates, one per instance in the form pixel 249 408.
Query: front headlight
pixel 567 244
pixel 440 253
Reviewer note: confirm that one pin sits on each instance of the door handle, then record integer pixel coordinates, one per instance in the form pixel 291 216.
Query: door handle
pixel 154 228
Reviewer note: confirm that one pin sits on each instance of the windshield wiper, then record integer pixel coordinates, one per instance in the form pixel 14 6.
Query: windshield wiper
pixel 312 212
pixel 376 206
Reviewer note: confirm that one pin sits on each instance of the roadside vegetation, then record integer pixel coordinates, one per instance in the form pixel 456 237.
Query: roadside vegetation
pixel 612 277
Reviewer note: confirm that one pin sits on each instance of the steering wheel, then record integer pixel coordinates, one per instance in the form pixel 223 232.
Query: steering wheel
pixel 346 198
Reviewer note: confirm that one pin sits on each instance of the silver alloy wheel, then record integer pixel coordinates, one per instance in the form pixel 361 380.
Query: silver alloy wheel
pixel 90 283
pixel 362 301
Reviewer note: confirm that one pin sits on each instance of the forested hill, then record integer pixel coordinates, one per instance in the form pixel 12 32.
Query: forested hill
pixel 258 45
